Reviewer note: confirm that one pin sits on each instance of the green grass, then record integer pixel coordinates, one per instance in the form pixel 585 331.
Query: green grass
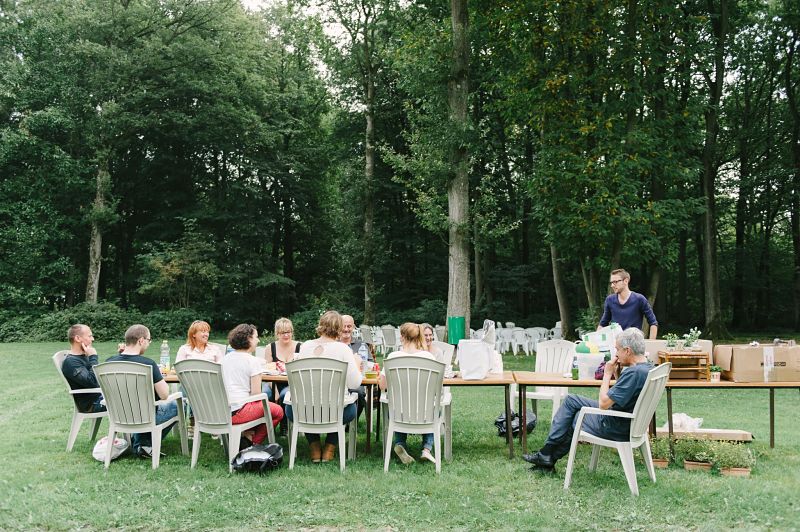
pixel 44 487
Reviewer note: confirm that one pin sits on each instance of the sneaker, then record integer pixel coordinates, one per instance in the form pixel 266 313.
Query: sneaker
pixel 426 455
pixel 145 451
pixel 402 454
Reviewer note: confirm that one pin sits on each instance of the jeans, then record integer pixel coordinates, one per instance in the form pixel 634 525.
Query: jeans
pixel 427 440
pixel 562 428
pixel 282 391
pixel 164 413
pixel 333 437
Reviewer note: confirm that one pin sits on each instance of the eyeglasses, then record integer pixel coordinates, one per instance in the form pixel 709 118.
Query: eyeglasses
pixel 286 332
pixel 148 339
pixel 615 281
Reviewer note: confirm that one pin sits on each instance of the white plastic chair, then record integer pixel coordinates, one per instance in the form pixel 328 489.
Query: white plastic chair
pixel 553 356
pixel 504 339
pixel 317 395
pixel 448 350
pixel 414 397
pixel 519 340
pixel 639 438
pixel 77 415
pixel 366 334
pixel 389 338
pixel 510 325
pixel 377 336
pixel 440 333
pixel 555 332
pixel 261 352
pixel 544 334
pixel 128 391
pixel 205 388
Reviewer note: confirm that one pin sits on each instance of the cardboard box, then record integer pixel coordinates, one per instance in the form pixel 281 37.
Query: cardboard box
pixel 744 363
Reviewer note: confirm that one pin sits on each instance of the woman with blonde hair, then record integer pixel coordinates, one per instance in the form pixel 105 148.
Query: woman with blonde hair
pixel 412 338
pixel 197 346
pixel 281 351
pixel 329 346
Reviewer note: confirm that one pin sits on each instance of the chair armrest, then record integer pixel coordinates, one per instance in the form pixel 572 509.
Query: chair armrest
pixel 177 396
pixel 601 412
pixel 85 390
pixel 257 397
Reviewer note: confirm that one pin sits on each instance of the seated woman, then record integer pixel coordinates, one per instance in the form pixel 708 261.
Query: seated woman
pixel 196 345
pixel 241 373
pixel 411 338
pixel 282 350
pixel 329 346
pixel 437 353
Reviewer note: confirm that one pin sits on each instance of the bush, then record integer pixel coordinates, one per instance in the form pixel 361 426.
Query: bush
pixel 16 328
pixel 693 450
pixel 107 321
pixel 587 319
pixel 726 455
pixel 659 448
pixel 172 323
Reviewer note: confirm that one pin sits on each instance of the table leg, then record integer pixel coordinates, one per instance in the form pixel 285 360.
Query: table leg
pixel 378 422
pixel 509 434
pixel 669 422
pixel 369 416
pixel 772 417
pixel 524 420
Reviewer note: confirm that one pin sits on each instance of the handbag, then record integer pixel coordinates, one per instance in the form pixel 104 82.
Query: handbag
pixel 258 459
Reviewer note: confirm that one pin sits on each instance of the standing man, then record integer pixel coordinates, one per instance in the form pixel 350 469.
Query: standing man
pixel 78 369
pixel 137 340
pixel 622 397
pixel 346 337
pixel 626 307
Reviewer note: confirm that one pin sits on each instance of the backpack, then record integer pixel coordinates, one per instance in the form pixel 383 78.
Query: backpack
pixel 500 423
pixel 258 458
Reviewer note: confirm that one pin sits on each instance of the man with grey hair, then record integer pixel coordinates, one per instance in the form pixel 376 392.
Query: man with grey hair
pixel 631 359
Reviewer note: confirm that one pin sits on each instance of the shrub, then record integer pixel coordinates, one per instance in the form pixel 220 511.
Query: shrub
pixel 107 320
pixel 726 455
pixel 659 448
pixel 693 450
pixel 173 323
pixel 588 318
pixel 16 328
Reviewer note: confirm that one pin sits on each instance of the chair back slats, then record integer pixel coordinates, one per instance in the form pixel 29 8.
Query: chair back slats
pixel 648 400
pixel 366 334
pixel 414 388
pixel 128 391
pixel 205 388
pixel 553 356
pixel 317 387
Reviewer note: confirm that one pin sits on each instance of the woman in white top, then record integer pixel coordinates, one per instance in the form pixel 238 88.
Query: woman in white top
pixel 241 372
pixel 196 345
pixel 412 339
pixel 329 346
pixel 427 331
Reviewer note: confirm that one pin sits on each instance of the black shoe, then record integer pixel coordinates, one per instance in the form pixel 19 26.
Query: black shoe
pixel 539 459
pixel 244 443
pixel 145 451
pixel 543 470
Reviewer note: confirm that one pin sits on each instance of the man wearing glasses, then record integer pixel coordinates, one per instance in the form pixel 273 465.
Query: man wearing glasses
pixel 621 397
pixel 626 307
pixel 137 340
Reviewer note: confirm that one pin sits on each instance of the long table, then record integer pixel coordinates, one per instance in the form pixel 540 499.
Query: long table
pixel 531 378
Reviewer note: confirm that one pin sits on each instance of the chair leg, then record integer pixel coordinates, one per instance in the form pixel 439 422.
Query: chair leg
pixel 595 457
pixel 351 440
pixel 437 448
pixel 233 446
pixel 448 434
pixel 77 419
pixel 292 444
pixel 111 434
pixel 156 442
pixel 626 457
pixel 182 429
pixel 95 427
pixel 571 462
pixel 387 454
pixel 648 459
pixel 195 446
pixel 342 448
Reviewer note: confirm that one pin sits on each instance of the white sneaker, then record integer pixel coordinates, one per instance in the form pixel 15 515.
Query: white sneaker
pixel 426 455
pixel 402 454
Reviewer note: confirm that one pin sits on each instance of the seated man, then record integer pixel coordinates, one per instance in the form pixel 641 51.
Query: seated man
pixel 137 340
pixel 630 357
pixel 346 337
pixel 77 368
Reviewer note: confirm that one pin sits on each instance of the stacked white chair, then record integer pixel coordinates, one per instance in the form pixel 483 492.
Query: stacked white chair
pixel 553 356
pixel 390 338
pixel 519 340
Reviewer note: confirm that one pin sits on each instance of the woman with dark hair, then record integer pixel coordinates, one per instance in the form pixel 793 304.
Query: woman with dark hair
pixel 241 372
pixel 329 346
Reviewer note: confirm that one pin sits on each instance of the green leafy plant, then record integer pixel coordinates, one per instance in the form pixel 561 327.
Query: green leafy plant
pixel 715 369
pixel 672 339
pixel 692 336
pixel 725 455
pixel 693 450
pixel 659 448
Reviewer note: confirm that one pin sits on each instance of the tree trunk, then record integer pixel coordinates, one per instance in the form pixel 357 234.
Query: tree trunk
pixel 561 295
pixel 369 203
pixel 794 205
pixel 479 280
pixel 96 238
pixel 458 301
pixel 715 327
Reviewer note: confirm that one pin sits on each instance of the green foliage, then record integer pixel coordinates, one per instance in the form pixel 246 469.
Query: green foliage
pixel 728 454
pixel 173 323
pixel 693 450
pixel 588 318
pixel 659 448
pixel 107 320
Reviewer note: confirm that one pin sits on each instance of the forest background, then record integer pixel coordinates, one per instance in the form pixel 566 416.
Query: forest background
pixel 168 160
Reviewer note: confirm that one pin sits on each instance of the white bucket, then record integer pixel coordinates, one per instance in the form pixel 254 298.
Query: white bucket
pixel 587 364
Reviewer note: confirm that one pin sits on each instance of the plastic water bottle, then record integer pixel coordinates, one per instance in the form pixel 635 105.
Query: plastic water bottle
pixel 363 352
pixel 575 368
pixel 164 363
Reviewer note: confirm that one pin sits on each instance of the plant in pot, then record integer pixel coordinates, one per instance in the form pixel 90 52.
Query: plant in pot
pixel 659 448
pixel 696 454
pixel 716 373
pixel 690 339
pixel 672 341
pixel 732 459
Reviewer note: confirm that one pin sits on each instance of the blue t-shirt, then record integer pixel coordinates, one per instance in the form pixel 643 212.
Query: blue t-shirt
pixel 630 314
pixel 139 359
pixel 625 393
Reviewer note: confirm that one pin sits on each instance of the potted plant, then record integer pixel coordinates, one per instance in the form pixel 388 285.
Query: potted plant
pixel 696 454
pixel 659 448
pixel 672 340
pixel 690 338
pixel 716 373
pixel 732 459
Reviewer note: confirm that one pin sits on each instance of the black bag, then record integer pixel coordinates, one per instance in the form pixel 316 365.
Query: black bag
pixel 258 458
pixel 500 423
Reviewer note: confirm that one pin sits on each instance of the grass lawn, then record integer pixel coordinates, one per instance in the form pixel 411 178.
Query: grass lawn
pixel 44 487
